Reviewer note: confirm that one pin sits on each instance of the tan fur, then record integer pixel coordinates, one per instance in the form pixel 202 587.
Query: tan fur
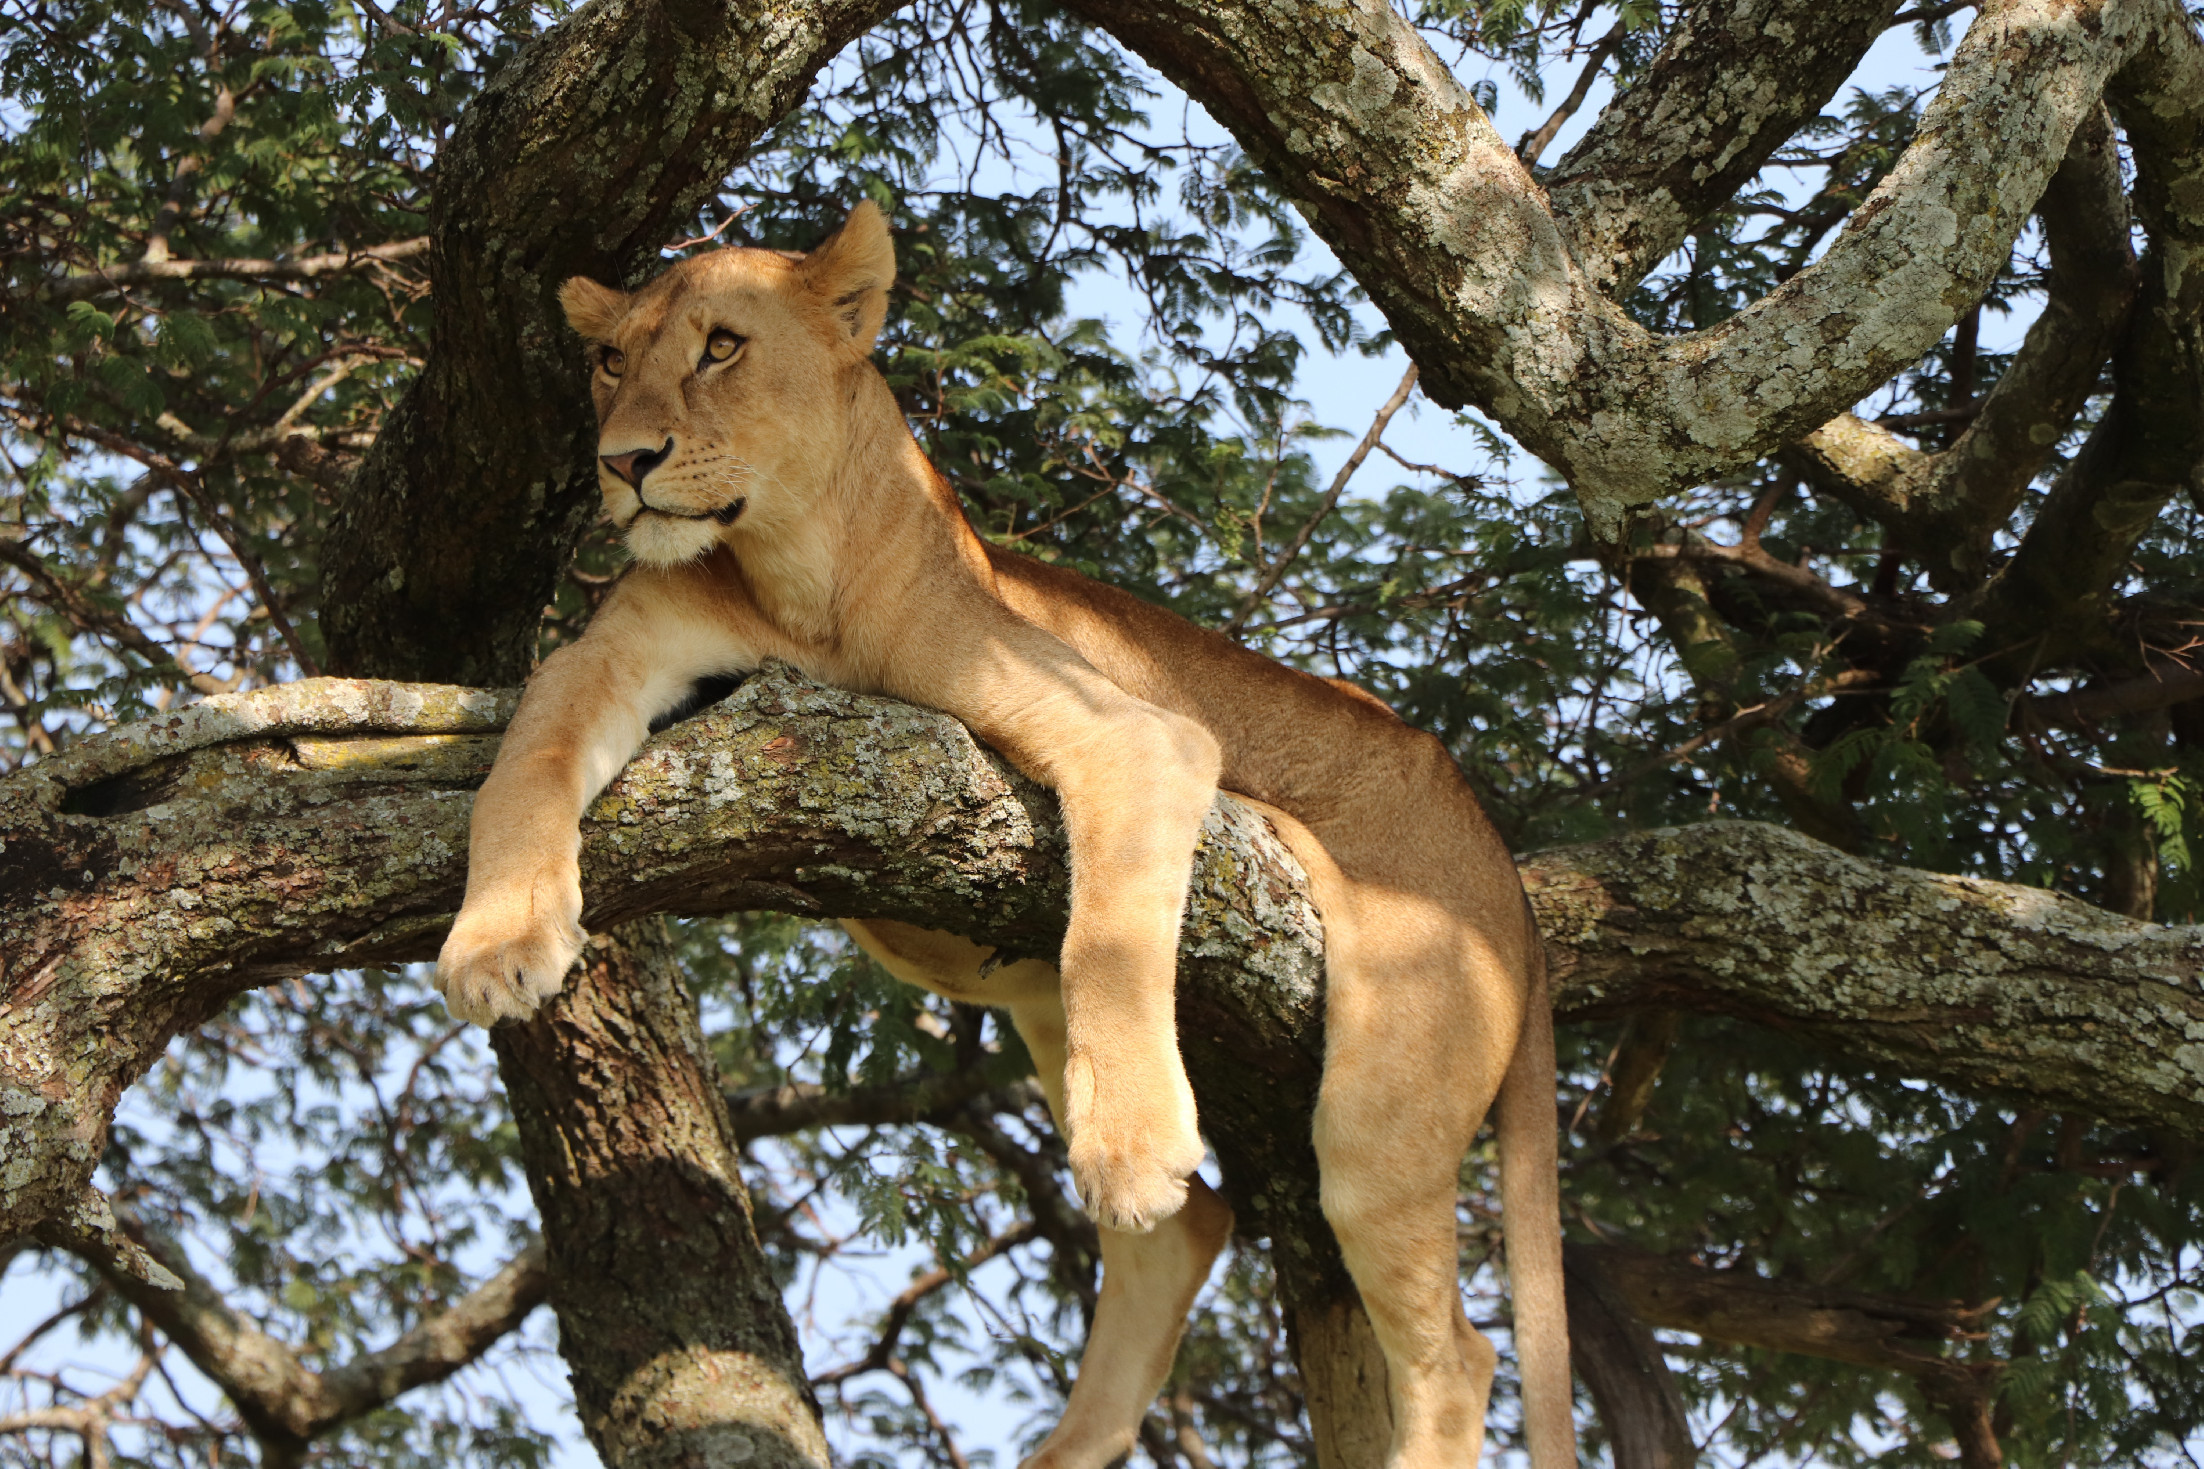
pixel 851 559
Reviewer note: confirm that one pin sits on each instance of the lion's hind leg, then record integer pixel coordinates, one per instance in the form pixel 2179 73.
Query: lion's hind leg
pixel 1419 1025
pixel 1406 1082
pixel 1149 1280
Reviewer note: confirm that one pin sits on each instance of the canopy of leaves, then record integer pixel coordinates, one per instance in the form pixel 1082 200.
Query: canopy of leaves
pixel 334 1156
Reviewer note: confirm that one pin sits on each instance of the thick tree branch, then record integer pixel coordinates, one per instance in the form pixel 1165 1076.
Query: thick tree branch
pixel 2168 683
pixel 1730 86
pixel 1405 177
pixel 323 824
pixel 1944 508
pixel 1738 1306
pixel 2051 601
pixel 1883 1332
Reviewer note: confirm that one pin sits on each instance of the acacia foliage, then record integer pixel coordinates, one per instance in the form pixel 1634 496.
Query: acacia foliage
pixel 330 1154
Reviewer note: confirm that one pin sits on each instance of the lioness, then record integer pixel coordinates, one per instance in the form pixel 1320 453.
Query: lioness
pixel 778 507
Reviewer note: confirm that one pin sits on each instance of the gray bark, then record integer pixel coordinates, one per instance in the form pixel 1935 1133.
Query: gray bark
pixel 149 875
pixel 1481 273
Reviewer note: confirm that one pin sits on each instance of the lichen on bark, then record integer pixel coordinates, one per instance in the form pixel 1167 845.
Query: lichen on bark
pixel 1502 295
pixel 149 879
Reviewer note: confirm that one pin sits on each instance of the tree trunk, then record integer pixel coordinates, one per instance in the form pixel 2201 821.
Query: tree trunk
pixel 681 1350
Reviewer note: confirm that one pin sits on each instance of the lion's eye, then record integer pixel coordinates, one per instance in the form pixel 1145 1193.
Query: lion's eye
pixel 611 361
pixel 722 345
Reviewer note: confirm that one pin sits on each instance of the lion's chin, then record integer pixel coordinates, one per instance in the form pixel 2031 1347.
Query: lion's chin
pixel 659 540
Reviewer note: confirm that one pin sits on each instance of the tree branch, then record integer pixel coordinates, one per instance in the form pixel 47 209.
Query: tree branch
pixel 1730 86
pixel 2168 683
pixel 1405 177
pixel 776 1111
pixel 1672 589
pixel 1293 548
pixel 1623 1368
pixel 321 825
pixel 2053 598
pixel 77 606
pixel 287 1404
pixel 269 272
pixel 1883 1332
pixel 1945 508
pixel 1535 142
pixel 881 1353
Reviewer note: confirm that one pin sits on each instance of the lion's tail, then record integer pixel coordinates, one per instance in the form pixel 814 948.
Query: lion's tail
pixel 1530 1212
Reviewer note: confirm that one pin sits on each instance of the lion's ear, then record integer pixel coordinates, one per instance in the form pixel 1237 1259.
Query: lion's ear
pixel 852 271
pixel 592 310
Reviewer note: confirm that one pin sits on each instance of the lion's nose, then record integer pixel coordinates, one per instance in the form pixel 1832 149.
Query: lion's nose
pixel 636 463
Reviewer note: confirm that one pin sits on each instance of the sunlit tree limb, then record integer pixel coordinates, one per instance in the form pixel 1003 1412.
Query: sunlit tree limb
pixel 1406 178
pixel 330 832
pixel 1730 86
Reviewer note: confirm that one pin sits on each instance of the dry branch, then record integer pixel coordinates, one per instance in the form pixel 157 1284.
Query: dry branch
pixel 269 272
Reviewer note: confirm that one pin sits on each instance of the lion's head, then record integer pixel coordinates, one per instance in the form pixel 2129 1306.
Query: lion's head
pixel 721 386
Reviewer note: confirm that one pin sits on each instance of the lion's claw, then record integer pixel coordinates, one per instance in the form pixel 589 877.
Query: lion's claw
pixel 1132 1194
pixel 1133 1147
pixel 503 959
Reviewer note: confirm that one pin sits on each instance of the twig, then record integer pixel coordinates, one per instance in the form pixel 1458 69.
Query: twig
pixel 1535 143
pixel 90 1419
pixel 880 1356
pixel 1293 548
pixel 15 1353
pixel 1765 712
pixel 73 604
pixel 1431 469
pixel 146 272
pixel 193 489
pixel 909 1379
pixel 679 245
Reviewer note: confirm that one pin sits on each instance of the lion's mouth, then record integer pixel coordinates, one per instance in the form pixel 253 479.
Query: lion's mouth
pixel 725 514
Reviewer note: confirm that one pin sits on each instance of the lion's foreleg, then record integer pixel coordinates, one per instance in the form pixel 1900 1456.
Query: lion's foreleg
pixel 1135 785
pixel 583 715
pixel 1149 1282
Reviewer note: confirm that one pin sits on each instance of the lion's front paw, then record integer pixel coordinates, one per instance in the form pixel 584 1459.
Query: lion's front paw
pixel 507 954
pixel 1132 1150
